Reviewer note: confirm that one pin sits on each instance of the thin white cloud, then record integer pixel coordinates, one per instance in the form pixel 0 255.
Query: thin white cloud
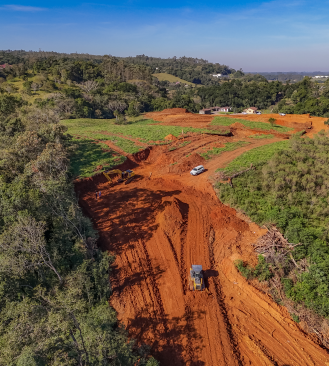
pixel 22 8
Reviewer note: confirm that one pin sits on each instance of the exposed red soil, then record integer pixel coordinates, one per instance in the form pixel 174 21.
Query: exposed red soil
pixel 178 117
pixel 299 122
pixel 312 125
pixel 171 137
pixel 157 227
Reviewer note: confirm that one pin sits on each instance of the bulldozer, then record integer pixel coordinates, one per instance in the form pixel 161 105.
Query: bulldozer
pixel 125 176
pixel 196 278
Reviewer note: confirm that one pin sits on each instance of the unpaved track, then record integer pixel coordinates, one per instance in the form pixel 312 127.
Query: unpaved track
pixel 157 228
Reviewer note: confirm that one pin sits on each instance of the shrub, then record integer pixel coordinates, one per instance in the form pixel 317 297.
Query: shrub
pixel 295 318
pixel 244 269
pixel 261 270
pixel 272 121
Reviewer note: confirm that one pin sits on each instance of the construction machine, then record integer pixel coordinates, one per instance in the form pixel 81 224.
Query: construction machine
pixel 125 176
pixel 196 278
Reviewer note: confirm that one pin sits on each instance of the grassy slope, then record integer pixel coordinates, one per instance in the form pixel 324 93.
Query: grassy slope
pixel 171 78
pixel 256 156
pixel 225 121
pixel 87 156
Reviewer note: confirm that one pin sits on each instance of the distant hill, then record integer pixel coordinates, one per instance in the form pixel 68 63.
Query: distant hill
pixel 193 70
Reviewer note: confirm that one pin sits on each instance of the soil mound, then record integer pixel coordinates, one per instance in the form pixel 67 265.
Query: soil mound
pixel 171 137
pixel 238 125
pixel 172 217
pixel 187 164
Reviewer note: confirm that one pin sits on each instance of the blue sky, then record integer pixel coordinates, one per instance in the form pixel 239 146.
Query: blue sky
pixel 278 35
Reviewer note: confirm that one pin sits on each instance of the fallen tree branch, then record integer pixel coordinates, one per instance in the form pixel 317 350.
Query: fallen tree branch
pixel 230 178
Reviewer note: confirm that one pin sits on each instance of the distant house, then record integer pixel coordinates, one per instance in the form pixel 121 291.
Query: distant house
pixel 225 109
pixel 205 111
pixel 214 109
pixel 320 76
pixel 251 110
pixel 217 75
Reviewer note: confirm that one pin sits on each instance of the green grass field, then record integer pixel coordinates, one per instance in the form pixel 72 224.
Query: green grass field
pixel 171 78
pixel 225 121
pixel 256 156
pixel 147 131
pixel 229 146
pixel 87 155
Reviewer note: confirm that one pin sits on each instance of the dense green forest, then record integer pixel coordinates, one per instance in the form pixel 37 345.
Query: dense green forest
pixel 298 98
pixel 290 191
pixel 54 282
pixel 77 86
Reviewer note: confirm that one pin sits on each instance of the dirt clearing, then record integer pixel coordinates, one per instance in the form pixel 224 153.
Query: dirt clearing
pixel 157 228
pixel 307 122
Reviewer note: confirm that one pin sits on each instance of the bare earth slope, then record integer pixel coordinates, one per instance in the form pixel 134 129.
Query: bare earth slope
pixel 157 227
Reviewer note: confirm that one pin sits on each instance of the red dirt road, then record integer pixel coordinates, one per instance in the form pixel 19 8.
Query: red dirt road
pixel 157 228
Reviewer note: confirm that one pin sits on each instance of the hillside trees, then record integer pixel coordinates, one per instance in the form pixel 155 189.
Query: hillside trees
pixel 54 282
pixel 239 95
pixel 81 87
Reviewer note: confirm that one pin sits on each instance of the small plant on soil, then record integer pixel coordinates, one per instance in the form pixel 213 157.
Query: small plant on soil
pixel 295 318
pixel 272 121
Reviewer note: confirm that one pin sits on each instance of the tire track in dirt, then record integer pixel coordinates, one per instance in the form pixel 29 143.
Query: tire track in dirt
pixel 220 301
pixel 180 262
pixel 155 288
pixel 188 330
pixel 172 249
pixel 184 208
pixel 141 290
